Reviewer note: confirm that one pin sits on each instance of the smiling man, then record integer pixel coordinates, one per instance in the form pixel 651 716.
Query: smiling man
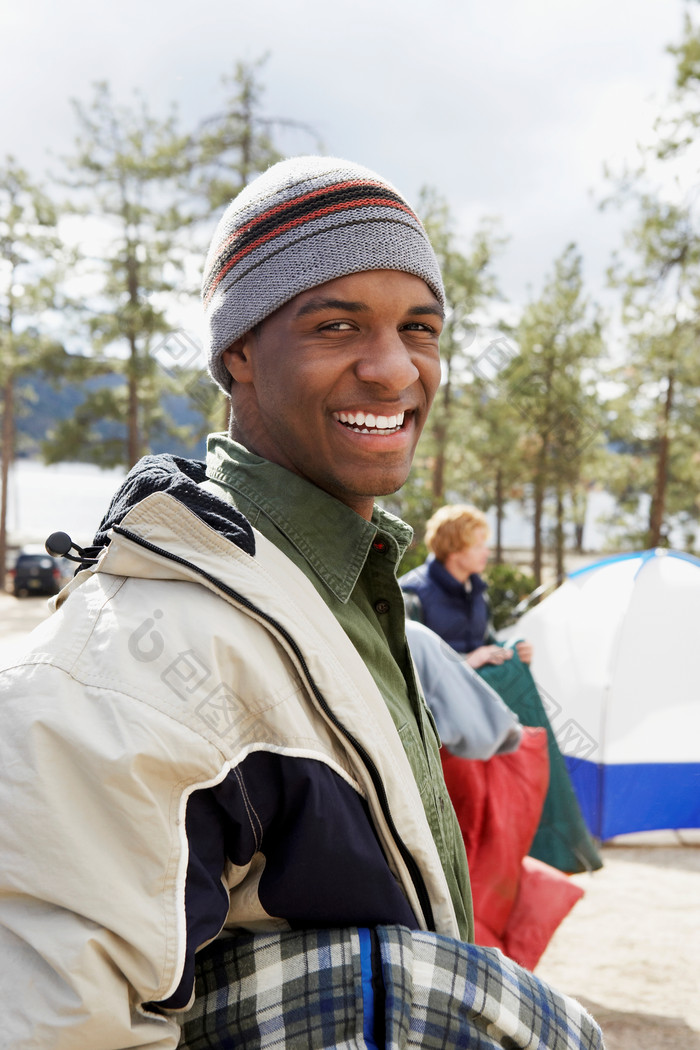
pixel 222 819
pixel 357 361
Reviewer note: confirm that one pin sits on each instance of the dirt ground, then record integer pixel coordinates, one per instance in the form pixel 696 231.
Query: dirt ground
pixel 629 950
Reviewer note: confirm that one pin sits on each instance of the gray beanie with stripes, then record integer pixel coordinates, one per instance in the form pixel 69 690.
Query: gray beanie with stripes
pixel 303 222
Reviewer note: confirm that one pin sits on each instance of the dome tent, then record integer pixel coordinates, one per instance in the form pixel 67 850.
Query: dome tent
pixel 617 661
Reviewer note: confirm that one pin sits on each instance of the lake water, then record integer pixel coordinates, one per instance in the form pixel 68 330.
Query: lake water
pixel 517 526
pixel 66 497
pixel 72 497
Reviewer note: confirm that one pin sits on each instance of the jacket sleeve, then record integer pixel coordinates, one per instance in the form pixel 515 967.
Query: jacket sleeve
pixel 89 923
pixel 127 842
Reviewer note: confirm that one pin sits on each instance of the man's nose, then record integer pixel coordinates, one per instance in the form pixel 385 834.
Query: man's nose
pixel 387 362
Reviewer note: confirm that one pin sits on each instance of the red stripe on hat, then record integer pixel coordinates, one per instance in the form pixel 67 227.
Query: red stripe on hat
pixel 295 202
pixel 328 210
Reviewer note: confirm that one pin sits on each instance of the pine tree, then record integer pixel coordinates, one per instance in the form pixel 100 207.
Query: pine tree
pixel 230 149
pixel 661 286
pixel 552 385
pixel 31 264
pixel 146 190
pixel 126 176
pixel 498 433
pixel 658 271
pixel 236 145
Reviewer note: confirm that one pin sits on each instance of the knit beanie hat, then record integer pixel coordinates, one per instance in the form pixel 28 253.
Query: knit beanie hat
pixel 303 222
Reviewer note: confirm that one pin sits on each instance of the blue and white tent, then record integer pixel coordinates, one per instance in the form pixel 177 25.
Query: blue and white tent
pixel 617 660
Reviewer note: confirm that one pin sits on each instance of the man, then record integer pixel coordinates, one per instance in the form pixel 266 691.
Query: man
pixel 219 757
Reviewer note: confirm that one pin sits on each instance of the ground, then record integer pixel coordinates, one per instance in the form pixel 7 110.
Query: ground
pixel 629 950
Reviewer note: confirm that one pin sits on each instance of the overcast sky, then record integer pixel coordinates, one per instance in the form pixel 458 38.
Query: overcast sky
pixel 508 107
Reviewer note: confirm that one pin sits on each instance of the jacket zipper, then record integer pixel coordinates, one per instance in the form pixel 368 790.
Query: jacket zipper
pixel 407 856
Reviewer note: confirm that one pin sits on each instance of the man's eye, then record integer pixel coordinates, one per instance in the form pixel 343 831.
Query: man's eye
pixel 418 326
pixel 337 326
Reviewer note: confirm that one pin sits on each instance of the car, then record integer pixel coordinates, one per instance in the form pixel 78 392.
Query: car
pixel 37 573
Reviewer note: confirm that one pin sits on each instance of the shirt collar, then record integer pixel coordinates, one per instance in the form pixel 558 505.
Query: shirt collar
pixel 334 540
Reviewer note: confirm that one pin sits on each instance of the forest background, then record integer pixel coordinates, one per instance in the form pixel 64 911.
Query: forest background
pixel 543 400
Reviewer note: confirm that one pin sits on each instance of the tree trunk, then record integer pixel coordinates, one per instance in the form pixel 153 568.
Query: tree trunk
pixel 8 435
pixel 247 137
pixel 658 501
pixel 438 481
pixel 133 441
pixel 538 499
pixel 578 539
pixel 441 416
pixel 559 534
pixel 499 516
pixel 579 502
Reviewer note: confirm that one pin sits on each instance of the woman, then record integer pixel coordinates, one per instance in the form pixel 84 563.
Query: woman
pixel 451 590
pixel 448 594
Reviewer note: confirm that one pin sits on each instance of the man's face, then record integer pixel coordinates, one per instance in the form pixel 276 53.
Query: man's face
pixel 336 385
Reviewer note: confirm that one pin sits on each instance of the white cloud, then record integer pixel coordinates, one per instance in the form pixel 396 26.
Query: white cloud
pixel 508 108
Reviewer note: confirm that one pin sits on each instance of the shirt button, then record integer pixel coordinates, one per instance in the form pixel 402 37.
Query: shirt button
pixel 379 546
pixel 382 606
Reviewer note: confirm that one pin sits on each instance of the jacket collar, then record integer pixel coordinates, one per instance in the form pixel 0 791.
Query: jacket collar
pixel 182 479
pixel 445 580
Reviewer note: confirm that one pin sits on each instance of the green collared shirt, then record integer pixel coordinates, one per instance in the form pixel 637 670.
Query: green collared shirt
pixel 352 564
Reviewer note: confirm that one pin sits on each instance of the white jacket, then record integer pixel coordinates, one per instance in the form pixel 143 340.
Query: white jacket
pixel 183 686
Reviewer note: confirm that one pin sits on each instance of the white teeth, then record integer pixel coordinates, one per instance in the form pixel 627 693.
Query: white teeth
pixel 369 422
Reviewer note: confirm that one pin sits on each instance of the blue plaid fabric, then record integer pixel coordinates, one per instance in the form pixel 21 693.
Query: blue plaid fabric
pixel 305 990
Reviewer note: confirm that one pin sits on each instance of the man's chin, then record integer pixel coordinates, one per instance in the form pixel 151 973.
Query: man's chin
pixel 367 489
pixel 386 485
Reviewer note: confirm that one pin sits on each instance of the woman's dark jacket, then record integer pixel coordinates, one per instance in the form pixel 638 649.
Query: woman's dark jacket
pixel 458 615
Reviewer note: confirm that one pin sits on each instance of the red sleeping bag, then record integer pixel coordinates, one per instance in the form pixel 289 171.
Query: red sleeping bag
pixel 518 901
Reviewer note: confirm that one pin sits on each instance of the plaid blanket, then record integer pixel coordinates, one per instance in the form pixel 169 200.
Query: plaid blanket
pixel 390 987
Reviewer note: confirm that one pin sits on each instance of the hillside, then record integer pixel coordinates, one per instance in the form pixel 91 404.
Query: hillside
pixel 40 407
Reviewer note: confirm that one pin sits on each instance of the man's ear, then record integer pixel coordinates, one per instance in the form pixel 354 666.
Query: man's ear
pixel 237 359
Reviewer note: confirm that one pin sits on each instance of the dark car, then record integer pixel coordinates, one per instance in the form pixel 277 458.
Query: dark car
pixel 37 574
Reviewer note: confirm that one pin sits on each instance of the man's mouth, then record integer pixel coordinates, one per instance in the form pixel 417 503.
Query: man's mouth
pixel 369 423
